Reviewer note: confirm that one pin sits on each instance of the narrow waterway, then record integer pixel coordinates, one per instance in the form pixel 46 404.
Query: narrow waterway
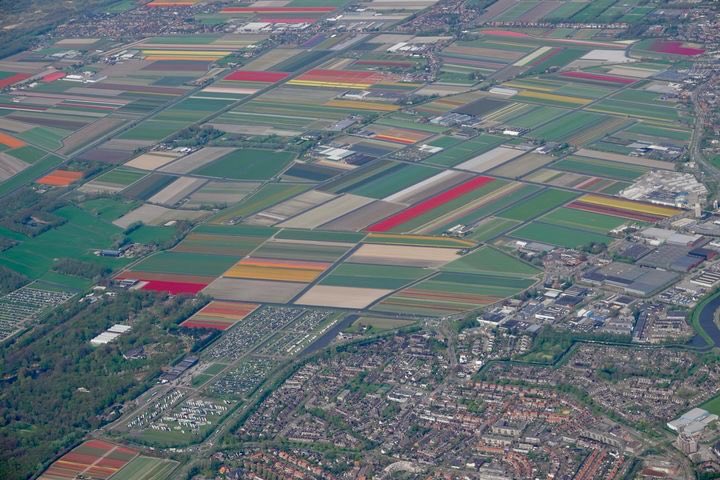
pixel 707 322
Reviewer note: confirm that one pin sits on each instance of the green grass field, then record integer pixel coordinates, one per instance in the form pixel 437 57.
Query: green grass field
pixel 601 168
pixel 186 263
pixel 490 260
pixel 538 204
pixel 461 152
pixel 537 115
pixel 121 176
pixel 491 228
pixel 148 234
pixel 572 218
pixel 560 129
pixel 108 209
pixel 248 164
pixel 78 238
pixel 373 276
pixel 146 468
pixel 557 235
pixel 393 181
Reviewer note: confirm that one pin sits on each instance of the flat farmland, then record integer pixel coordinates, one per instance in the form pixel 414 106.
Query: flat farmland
pixel 536 115
pixel 464 151
pixel 181 263
pixel 598 167
pixel 557 235
pixel 435 206
pixel 474 211
pixel 319 236
pixel 209 239
pixel 492 227
pixel 403 255
pixel 247 164
pixel 327 212
pixel 319 251
pixel 451 293
pixel 341 297
pixel 593 222
pixel 388 277
pixel 538 204
pixel 561 128
pixel 77 238
pixel 392 180
pixel 220 194
pixel 246 290
pixel 417 240
pixel 490 260
pixel 290 208
pixel 277 269
pixel 219 315
pixel 196 159
pixel 95 459
pixel 667 114
pixel 114 180
pixel 268 195
pixel 147 468
pixel 620 207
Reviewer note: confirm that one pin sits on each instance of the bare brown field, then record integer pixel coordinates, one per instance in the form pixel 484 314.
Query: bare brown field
pixel 327 212
pixel 253 290
pixel 14 126
pixel 177 190
pixel 489 160
pixel 341 297
pixel 88 133
pixel 363 216
pixel 152 160
pixel 10 166
pixel 521 166
pixel 289 208
pixel 213 193
pixel 401 255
